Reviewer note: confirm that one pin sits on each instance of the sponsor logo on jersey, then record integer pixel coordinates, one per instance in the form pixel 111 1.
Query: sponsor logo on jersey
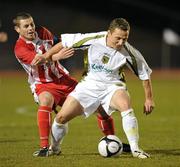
pixel 105 59
pixel 100 68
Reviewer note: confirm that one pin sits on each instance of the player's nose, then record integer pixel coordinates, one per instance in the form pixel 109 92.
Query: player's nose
pixel 120 42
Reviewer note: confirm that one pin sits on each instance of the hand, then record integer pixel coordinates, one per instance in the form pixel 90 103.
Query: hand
pixel 148 106
pixel 63 54
pixel 37 60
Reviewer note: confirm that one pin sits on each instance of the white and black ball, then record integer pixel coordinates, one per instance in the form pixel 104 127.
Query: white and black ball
pixel 110 146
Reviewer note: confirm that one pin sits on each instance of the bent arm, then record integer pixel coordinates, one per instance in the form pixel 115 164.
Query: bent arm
pixel 57 52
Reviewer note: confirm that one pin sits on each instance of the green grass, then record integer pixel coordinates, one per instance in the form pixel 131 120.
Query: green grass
pixel 159 132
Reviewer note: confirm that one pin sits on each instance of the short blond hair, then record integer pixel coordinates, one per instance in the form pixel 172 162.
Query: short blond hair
pixel 120 23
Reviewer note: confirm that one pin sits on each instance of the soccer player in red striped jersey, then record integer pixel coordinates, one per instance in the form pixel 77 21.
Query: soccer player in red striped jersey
pixel 50 82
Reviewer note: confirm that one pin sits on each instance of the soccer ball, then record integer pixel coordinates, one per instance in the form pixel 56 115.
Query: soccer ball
pixel 110 146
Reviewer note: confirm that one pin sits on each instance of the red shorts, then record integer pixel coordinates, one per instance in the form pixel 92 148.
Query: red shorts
pixel 59 90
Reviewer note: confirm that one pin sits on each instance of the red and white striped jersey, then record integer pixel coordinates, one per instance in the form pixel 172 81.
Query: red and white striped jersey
pixel 25 52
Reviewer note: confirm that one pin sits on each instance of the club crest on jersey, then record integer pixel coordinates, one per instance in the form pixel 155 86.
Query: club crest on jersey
pixel 105 59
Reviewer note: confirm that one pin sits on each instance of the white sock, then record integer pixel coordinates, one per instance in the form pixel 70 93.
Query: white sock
pixel 58 132
pixel 130 127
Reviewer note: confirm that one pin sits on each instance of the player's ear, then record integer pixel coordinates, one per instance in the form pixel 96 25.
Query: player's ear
pixel 16 28
pixel 108 32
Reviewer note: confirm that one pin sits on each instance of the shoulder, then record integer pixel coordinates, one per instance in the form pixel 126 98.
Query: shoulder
pixel 19 43
pixel 44 33
pixel 22 47
pixel 98 48
pixel 42 29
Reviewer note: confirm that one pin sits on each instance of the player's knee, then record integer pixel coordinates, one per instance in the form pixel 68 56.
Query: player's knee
pixel 46 99
pixel 123 105
pixel 61 118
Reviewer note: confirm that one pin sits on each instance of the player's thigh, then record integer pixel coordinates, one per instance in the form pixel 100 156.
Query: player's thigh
pixel 70 109
pixel 120 100
pixel 87 96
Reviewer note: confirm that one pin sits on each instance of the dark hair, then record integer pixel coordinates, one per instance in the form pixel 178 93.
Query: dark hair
pixel 120 23
pixel 20 16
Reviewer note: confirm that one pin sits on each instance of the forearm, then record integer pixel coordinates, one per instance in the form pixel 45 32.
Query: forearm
pixel 55 49
pixel 149 102
pixel 64 53
pixel 148 89
pixel 57 52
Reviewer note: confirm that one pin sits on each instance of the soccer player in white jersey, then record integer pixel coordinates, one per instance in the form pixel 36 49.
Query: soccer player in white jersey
pixel 49 81
pixel 104 86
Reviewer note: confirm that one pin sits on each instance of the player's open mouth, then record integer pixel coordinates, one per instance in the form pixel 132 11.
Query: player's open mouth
pixel 31 33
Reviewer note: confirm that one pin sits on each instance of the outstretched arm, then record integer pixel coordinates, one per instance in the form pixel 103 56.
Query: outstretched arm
pixel 149 102
pixel 55 49
pixel 64 53
pixel 57 52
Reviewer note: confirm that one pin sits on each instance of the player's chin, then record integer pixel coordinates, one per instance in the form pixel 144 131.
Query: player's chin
pixel 118 47
pixel 30 37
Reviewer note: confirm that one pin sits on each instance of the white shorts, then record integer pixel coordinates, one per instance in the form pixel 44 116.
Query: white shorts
pixel 91 94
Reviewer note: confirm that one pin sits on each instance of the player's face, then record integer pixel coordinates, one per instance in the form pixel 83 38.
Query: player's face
pixel 26 29
pixel 117 38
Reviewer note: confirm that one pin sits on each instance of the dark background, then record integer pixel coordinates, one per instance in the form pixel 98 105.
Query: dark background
pixel 148 19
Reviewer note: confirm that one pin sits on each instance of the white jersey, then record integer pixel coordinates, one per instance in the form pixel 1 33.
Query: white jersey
pixel 134 60
pixel 105 65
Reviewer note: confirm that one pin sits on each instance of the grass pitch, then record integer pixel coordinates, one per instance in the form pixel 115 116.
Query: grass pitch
pixel 159 132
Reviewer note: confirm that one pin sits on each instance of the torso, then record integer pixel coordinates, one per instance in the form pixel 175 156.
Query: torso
pixel 25 51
